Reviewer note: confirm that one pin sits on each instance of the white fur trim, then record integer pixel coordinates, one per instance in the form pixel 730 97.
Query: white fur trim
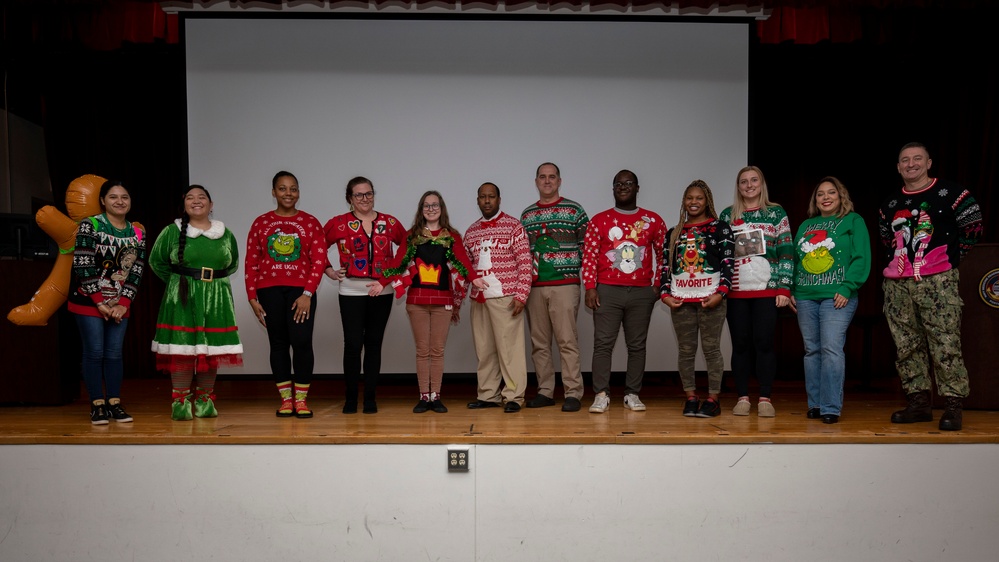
pixel 213 233
pixel 192 350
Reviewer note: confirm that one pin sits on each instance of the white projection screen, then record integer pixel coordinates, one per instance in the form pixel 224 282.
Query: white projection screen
pixel 447 104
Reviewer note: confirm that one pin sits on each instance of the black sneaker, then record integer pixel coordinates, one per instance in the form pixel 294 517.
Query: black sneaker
pixel 118 413
pixel 98 414
pixel 709 409
pixel 690 406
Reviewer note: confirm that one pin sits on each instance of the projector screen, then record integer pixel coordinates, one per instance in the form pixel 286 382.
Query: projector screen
pixel 446 104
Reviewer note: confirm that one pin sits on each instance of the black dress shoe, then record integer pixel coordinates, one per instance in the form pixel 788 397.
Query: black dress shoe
pixel 511 407
pixel 480 404
pixel 421 406
pixel 438 407
pixel 813 414
pixel 830 418
pixel 370 408
pixel 350 407
pixel 571 405
pixel 540 401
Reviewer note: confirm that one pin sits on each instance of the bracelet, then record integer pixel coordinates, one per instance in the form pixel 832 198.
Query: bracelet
pixel 307 293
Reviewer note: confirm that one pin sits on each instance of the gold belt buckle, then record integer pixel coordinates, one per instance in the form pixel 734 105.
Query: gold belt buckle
pixel 207 274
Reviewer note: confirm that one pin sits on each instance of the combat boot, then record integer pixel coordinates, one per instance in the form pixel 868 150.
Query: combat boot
pixel 953 414
pixel 918 410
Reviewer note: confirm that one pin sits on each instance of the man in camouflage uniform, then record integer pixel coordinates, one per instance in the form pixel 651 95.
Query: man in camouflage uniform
pixel 928 227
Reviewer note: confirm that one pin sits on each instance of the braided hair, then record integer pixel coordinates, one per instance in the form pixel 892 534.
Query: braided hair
pixel 709 210
pixel 185 219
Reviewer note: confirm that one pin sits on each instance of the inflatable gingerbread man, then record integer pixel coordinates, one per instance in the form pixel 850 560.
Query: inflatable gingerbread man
pixel 82 201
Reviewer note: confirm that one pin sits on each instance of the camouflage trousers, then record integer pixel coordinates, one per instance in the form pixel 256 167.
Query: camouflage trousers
pixel 688 320
pixel 925 321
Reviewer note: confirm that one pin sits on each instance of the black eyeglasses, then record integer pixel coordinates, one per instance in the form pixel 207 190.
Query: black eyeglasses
pixel 365 195
pixel 431 206
pixel 626 183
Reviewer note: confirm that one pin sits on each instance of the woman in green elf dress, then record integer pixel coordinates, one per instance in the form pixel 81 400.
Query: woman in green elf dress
pixel 196 327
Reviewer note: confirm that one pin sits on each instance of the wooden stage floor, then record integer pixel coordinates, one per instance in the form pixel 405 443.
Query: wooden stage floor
pixel 247 417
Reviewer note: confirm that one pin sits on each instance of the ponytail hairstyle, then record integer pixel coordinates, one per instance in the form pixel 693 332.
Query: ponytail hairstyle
pixel 182 241
pixel 355 181
pixel 709 210
pixel 105 188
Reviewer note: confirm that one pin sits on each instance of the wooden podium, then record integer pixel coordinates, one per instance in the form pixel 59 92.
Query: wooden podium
pixel 980 325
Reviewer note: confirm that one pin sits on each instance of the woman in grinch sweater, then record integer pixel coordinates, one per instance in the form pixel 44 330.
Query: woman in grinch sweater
pixel 196 326
pixel 833 259
pixel 434 265
pixel 761 283
pixel 285 259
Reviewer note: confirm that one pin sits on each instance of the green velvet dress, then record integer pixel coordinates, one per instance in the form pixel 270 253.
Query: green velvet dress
pixel 205 327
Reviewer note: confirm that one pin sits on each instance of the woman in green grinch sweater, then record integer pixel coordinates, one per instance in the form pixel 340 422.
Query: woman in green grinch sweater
pixel 833 259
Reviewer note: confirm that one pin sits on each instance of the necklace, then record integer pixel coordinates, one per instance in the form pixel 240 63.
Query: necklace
pixel 118 232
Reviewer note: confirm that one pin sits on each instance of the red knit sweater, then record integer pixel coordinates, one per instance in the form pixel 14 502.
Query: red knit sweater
pixel 620 246
pixel 500 254
pixel 284 252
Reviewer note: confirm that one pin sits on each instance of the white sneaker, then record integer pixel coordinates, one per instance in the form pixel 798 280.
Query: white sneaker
pixel 634 403
pixel 765 409
pixel 600 403
pixel 742 407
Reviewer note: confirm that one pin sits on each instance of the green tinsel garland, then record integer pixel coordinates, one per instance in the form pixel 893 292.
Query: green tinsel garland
pixel 443 239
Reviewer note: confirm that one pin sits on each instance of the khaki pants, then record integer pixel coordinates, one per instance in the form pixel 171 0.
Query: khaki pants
pixel 499 345
pixel 551 314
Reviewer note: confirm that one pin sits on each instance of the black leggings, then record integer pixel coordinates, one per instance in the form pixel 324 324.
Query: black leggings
pixel 364 320
pixel 284 333
pixel 752 324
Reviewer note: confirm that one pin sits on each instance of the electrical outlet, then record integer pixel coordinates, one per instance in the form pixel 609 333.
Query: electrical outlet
pixel 458 459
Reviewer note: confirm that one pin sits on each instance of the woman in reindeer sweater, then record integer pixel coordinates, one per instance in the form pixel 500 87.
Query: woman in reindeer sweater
pixel 696 277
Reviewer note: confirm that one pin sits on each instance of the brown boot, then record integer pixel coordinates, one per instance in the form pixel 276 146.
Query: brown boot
pixel 952 416
pixel 918 410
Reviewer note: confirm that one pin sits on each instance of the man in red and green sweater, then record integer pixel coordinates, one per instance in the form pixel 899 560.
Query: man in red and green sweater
pixel 555 227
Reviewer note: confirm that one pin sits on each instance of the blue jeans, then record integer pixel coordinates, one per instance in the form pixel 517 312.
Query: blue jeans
pixel 823 328
pixel 102 367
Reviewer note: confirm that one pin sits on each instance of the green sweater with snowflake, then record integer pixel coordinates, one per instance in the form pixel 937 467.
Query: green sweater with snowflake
pixel 555 232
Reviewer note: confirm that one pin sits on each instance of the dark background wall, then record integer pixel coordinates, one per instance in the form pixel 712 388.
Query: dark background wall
pixel 828 108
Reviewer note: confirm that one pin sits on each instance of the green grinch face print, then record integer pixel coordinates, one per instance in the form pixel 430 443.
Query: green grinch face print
pixel 817 247
pixel 284 247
